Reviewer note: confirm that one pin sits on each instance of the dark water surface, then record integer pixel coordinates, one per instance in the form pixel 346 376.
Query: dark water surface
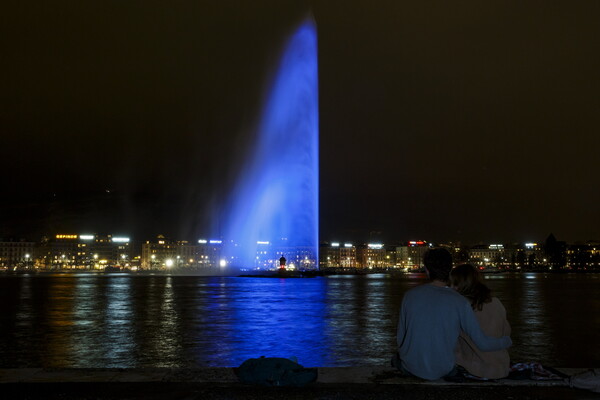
pixel 179 321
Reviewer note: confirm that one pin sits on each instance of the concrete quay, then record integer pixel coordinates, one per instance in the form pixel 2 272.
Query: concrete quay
pixel 221 383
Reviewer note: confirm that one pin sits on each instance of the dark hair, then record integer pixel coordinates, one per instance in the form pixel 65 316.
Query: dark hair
pixel 467 280
pixel 438 263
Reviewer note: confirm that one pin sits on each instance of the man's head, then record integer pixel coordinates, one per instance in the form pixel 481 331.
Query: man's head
pixel 438 263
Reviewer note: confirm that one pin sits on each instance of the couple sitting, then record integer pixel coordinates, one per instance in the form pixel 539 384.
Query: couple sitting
pixel 452 321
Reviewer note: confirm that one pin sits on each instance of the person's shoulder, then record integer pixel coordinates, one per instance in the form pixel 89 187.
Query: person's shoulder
pixel 430 290
pixel 452 294
pixel 417 291
pixel 496 303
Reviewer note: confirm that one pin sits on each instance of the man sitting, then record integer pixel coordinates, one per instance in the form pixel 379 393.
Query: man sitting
pixel 431 318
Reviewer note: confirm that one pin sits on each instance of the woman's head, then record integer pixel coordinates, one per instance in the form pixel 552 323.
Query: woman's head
pixel 467 281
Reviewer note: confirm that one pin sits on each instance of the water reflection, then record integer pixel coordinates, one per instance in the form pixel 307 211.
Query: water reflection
pixel 145 321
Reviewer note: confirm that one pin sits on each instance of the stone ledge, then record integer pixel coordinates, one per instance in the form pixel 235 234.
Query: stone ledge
pixel 327 375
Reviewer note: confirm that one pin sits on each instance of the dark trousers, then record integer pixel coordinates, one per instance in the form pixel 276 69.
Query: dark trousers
pixel 397 363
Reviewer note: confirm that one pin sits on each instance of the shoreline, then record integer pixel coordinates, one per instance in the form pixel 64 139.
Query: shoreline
pixel 269 274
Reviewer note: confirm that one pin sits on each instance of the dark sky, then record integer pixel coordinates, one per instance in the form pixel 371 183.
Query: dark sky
pixel 470 121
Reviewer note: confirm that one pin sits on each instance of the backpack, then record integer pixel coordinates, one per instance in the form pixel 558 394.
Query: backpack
pixel 589 380
pixel 272 371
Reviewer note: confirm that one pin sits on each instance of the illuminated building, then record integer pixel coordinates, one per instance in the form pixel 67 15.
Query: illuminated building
pixel 85 251
pixel 487 256
pixel 19 254
pixel 348 256
pixel 329 255
pixel 165 254
pixel 410 256
pixel 156 255
pixel 373 255
pixel 336 255
pixel 59 252
pixel 583 257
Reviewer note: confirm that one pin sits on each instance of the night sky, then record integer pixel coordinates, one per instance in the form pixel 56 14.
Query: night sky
pixel 445 121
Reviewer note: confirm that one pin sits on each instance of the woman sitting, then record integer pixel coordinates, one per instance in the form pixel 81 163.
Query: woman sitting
pixel 491 315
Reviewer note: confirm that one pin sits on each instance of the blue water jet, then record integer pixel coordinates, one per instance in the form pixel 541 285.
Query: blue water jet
pixel 276 196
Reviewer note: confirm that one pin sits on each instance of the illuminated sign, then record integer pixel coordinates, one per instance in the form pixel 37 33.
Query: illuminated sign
pixel 203 241
pixel 86 237
pixel 496 246
pixel 347 244
pixel 120 240
pixel 375 245
pixel 259 242
pixel 335 244
pixel 530 245
pixel 66 236
pixel 417 243
pixel 215 241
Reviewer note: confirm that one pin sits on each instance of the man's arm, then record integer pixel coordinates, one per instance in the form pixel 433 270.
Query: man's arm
pixel 470 325
pixel 401 331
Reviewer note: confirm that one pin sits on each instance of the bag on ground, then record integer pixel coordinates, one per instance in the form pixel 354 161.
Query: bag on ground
pixel 272 371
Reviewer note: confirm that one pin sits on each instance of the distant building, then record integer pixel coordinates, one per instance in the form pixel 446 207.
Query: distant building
pixel 410 255
pixel 487 255
pixel 337 255
pixel 348 257
pixel 166 254
pixel 158 255
pixel 373 255
pixel 86 251
pixel 329 255
pixel 59 252
pixel 16 254
pixel 583 257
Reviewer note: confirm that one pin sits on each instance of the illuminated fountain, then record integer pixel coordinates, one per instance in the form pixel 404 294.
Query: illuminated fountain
pixel 274 204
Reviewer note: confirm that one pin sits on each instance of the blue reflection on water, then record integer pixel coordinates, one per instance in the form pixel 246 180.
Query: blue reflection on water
pixel 177 321
pixel 265 317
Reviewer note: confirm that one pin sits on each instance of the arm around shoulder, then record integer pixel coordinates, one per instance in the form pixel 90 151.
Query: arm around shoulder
pixel 506 330
pixel 470 325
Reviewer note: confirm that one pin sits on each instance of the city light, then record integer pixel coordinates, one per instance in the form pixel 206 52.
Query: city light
pixel 202 241
pixel 347 244
pixel 120 239
pixel 223 263
pixel 86 237
pixel 169 263
pixel 66 236
pixel 215 241
pixel 335 244
pixel 259 242
pixel 375 245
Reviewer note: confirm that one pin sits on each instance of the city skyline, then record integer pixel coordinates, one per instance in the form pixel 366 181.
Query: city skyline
pixel 459 122
pixel 111 253
pixel 371 237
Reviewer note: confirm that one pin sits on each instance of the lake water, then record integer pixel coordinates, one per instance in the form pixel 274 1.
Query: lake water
pixel 119 320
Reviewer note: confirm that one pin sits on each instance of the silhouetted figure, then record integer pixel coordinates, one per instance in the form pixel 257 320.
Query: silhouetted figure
pixel 282 261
